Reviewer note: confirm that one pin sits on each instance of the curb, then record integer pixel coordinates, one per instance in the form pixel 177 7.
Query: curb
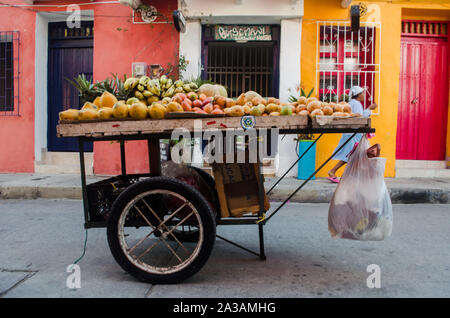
pixel 398 196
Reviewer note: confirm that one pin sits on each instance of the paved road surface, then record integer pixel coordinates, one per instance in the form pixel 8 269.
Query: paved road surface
pixel 40 238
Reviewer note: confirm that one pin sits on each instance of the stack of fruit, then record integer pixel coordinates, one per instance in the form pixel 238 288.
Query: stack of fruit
pixel 313 107
pixel 149 90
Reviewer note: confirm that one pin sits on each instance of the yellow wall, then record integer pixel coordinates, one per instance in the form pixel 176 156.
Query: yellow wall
pixel 390 16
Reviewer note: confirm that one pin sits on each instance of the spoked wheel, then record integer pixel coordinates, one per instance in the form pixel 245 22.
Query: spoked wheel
pixel 146 215
pixel 190 233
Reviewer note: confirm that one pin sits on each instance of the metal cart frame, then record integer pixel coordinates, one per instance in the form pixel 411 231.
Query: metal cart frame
pixel 155 168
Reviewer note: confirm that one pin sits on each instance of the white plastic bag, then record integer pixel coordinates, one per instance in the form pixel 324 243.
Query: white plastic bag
pixel 361 208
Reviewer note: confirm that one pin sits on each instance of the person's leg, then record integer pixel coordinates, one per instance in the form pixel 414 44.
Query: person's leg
pixel 332 172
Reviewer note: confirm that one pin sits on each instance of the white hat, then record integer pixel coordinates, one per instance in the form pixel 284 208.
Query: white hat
pixel 354 91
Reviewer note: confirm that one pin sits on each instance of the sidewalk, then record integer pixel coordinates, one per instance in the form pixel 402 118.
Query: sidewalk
pixel 68 186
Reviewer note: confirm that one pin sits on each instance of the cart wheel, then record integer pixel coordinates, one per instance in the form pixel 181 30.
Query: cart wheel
pixel 143 218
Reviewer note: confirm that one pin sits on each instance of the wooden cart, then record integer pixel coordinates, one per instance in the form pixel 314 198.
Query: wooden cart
pixel 160 229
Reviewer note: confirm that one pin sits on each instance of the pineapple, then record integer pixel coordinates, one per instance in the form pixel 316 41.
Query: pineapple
pixel 86 89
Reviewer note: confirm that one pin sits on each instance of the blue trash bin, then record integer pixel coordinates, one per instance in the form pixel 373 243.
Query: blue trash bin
pixel 306 165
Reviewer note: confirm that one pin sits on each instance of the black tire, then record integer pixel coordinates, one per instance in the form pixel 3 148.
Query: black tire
pixel 122 209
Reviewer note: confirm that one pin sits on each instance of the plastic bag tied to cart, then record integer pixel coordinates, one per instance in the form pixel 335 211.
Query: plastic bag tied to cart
pixel 361 208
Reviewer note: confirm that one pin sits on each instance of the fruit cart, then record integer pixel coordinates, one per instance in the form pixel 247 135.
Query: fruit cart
pixel 161 229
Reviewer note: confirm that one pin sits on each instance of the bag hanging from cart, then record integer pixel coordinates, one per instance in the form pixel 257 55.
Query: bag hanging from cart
pixel 361 208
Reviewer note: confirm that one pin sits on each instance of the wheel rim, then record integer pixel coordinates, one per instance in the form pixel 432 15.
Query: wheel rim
pixel 148 247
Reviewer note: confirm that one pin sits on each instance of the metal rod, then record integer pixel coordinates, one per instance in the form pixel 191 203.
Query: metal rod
pixel 83 181
pixel 315 172
pixel 262 210
pixel 122 157
pixel 281 178
pixel 237 245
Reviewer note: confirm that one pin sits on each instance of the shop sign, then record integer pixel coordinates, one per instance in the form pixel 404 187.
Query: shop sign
pixel 242 33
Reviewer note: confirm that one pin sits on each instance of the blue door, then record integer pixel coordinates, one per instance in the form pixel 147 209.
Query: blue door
pixel 70 53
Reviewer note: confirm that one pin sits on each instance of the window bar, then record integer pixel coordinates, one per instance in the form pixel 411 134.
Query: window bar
pixel 332 50
pixel 365 47
pixel 339 53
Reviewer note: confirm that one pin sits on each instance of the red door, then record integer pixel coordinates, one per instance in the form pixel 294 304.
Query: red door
pixel 423 99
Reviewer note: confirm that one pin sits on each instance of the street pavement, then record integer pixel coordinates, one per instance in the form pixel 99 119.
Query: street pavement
pixel 320 190
pixel 40 238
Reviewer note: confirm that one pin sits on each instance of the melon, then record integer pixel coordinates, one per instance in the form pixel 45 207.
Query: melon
pixel 302 100
pixel 208 89
pixel 220 90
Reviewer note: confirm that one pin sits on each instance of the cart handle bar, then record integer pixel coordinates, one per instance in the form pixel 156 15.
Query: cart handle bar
pixel 301 186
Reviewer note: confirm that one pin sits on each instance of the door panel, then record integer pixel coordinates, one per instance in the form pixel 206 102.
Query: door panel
pixel 67 58
pixel 423 99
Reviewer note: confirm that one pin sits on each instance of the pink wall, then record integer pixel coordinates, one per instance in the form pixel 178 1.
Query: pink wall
pixel 17 132
pixel 117 43
pixel 114 51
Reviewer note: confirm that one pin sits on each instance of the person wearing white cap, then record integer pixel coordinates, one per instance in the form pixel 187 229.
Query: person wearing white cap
pixel 356 96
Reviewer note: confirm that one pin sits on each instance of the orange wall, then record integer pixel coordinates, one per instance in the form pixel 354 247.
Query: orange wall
pixel 390 16
pixel 17 132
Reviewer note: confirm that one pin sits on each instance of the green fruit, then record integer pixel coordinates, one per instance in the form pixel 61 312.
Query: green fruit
pixel 132 100
pixel 163 79
pixel 193 86
pixel 169 83
pixel 256 111
pixel 139 95
pixel 187 88
pixel 141 87
pixel 179 89
pixel 166 100
pixel 179 83
pixel 286 110
pixel 147 93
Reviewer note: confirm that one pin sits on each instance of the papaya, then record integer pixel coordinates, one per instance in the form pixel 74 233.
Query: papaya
pixel 157 111
pixel 69 114
pixel 174 107
pixel 96 101
pixel 105 113
pixel 241 100
pixel 247 108
pixel 313 105
pixel 235 111
pixel 138 111
pixel 120 110
pixel 303 112
pixel 87 114
pixel 89 105
pixel 108 100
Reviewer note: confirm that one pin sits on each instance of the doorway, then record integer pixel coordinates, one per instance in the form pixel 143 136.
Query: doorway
pixel 242 66
pixel 423 98
pixel 70 53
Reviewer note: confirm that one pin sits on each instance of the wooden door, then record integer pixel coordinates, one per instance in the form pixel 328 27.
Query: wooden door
pixel 70 54
pixel 423 99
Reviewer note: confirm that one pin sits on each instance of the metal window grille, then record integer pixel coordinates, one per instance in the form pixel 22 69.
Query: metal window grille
pixel 345 59
pixel 60 31
pixel 425 28
pixel 242 66
pixel 9 73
